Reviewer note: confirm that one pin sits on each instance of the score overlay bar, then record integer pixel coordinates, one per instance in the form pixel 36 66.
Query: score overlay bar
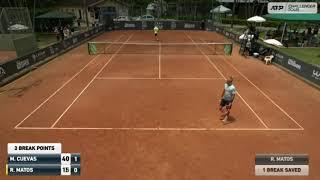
pixel 41 159
pixel 282 165
pixel 34 148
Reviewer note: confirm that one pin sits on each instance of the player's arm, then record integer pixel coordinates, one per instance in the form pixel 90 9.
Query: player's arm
pixel 222 93
pixel 233 95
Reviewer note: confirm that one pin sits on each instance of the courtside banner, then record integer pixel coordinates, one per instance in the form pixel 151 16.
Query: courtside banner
pixel 11 69
pixel 293 8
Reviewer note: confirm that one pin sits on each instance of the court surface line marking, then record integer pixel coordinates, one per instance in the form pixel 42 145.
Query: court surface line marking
pixel 159 60
pixel 160 129
pixel 61 87
pixel 85 88
pixel 133 78
pixel 208 59
pixel 264 94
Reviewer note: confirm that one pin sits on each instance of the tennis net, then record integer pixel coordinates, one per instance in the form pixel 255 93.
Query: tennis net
pixel 159 48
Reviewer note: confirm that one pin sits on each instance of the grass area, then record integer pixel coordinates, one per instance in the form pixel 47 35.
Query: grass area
pixel 309 55
pixel 45 39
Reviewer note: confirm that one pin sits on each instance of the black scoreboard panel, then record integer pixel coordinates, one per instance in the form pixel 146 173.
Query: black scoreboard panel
pixel 41 159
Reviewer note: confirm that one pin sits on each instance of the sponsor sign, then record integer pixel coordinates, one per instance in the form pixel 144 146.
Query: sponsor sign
pixel 51 50
pixel 294 64
pixel 39 55
pixel 292 7
pixel 74 40
pixel 129 25
pixel 173 25
pixel 189 26
pixel 2 72
pixel 279 57
pixel 315 74
pixel 144 24
pixel 160 25
pixel 22 64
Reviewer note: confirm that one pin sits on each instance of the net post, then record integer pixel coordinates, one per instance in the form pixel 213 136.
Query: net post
pixel 89 48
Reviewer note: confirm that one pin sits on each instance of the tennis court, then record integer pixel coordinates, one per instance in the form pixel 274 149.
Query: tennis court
pixel 7 55
pixel 149 110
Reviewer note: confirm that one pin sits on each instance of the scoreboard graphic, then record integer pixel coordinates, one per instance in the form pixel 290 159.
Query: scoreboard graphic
pixel 41 159
pixel 282 165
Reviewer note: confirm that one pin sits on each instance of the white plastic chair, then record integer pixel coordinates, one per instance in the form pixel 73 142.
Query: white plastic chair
pixel 268 59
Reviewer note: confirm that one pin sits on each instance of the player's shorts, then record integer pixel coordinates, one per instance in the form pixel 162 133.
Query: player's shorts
pixel 155 34
pixel 224 103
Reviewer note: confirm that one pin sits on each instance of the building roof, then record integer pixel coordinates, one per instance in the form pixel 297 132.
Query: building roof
pixel 90 3
pixel 56 15
pixel 241 1
pixel 77 3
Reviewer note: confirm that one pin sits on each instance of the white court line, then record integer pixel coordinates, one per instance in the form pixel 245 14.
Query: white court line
pixel 207 57
pixel 85 88
pixel 159 60
pixel 264 94
pixel 160 129
pixel 133 78
pixel 63 85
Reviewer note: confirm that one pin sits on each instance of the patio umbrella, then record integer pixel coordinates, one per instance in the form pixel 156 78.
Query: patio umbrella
pixel 273 42
pixel 257 19
pixel 17 27
pixel 220 10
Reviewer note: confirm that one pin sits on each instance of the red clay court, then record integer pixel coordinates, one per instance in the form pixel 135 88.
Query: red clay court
pixel 155 115
pixel 7 55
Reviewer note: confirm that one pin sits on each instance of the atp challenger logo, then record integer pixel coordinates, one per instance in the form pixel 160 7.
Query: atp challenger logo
pixel 316 74
pixel 292 7
pixel 276 8
pixel 2 72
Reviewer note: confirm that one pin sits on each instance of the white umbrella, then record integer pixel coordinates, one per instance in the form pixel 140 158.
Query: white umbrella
pixel 17 27
pixel 243 36
pixel 257 19
pixel 220 9
pixel 273 42
pixel 151 6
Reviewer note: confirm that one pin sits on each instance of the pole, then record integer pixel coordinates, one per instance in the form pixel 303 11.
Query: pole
pixel 34 15
pixel 233 12
pixel 211 11
pixel 85 9
pixel 284 28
